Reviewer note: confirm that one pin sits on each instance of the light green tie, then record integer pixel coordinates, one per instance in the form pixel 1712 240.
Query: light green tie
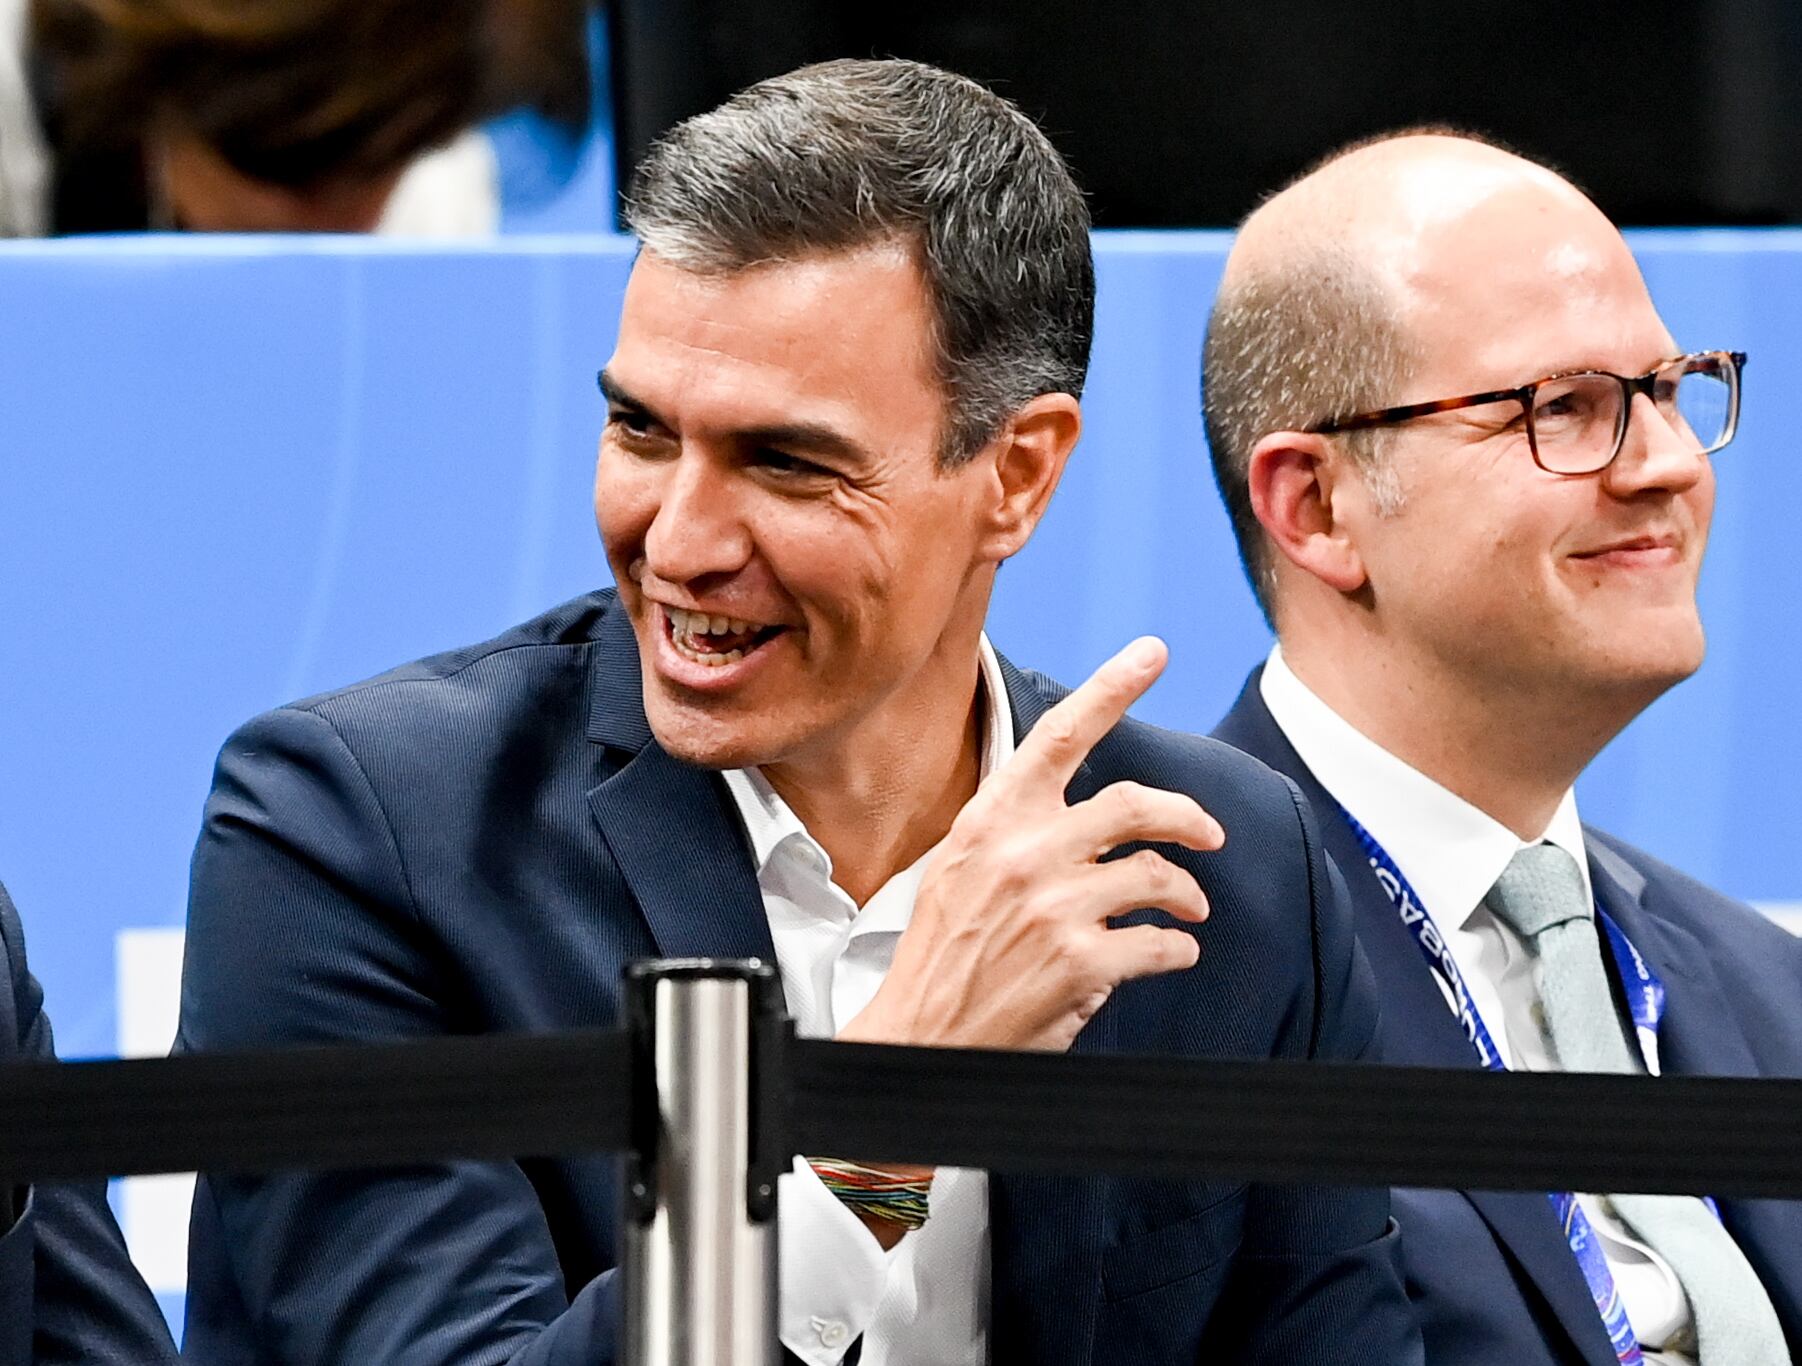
pixel 1541 896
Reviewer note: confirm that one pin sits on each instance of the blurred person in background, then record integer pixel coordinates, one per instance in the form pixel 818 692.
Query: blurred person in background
pixel 69 1295
pixel 272 115
pixel 1469 471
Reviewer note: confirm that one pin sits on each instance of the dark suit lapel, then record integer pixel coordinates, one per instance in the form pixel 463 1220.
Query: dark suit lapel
pixel 1418 1030
pixel 671 827
pixel 1700 1035
pixel 1045 1231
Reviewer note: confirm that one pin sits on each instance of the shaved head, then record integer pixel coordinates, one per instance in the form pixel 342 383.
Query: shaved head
pixel 1429 578
pixel 1383 201
pixel 1321 308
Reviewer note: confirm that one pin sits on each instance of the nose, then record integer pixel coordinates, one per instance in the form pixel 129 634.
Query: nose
pixel 698 528
pixel 1657 453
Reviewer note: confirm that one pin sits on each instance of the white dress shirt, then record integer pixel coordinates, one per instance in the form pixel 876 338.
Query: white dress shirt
pixel 1452 854
pixel 925 1301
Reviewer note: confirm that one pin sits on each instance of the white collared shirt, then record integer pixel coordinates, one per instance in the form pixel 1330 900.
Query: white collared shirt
pixel 1452 853
pixel 924 1302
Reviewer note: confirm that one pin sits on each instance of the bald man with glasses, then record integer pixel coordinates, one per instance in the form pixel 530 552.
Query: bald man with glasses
pixel 1469 471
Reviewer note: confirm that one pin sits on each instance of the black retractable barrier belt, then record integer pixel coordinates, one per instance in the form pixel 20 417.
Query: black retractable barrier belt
pixel 1343 1123
pixel 1259 1121
pixel 337 1106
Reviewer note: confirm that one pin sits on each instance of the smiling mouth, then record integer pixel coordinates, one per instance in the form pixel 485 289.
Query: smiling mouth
pixel 1646 548
pixel 715 641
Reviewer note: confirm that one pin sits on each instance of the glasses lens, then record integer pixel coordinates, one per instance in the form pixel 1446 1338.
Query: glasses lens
pixel 1575 422
pixel 1703 400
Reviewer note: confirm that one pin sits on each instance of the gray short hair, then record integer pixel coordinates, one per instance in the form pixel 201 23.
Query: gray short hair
pixel 1289 345
pixel 848 153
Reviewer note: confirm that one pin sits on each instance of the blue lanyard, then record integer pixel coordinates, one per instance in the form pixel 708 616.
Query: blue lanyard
pixel 1645 998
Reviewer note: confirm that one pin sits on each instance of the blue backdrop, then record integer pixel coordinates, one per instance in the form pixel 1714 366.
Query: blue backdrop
pixel 238 471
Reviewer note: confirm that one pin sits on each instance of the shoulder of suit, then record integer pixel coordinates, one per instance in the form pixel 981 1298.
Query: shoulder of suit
pixel 1709 914
pixel 12 933
pixel 549 638
pixel 1143 752
pixel 436 705
pixel 12 964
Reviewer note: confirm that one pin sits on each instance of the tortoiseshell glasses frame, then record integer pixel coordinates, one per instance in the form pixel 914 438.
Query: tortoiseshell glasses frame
pixel 1591 452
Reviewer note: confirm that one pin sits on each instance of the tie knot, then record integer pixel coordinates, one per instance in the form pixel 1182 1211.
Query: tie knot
pixel 1541 887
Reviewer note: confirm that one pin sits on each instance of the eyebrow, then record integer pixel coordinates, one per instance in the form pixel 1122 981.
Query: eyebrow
pixel 814 437
pixel 614 393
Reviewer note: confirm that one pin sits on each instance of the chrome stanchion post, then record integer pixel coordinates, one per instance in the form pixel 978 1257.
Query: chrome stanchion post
pixel 699 1254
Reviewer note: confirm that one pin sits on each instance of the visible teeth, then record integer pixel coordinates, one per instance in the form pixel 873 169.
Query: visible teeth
pixel 688 623
pixel 685 646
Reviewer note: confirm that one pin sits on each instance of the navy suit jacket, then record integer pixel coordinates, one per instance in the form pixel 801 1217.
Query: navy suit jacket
pixel 1491 1273
pixel 68 1291
pixel 483 840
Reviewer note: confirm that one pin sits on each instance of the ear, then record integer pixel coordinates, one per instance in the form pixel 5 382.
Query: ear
pixel 1295 478
pixel 1026 459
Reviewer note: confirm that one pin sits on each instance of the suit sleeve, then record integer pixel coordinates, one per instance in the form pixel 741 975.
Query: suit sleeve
pixel 17 1219
pixel 1323 1264
pixel 301 929
pixel 67 1286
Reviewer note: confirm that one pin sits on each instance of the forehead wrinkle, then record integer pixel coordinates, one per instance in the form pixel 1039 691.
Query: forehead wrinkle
pixel 716 392
pixel 837 341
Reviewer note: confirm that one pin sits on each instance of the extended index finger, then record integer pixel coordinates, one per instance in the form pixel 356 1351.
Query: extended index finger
pixel 1063 737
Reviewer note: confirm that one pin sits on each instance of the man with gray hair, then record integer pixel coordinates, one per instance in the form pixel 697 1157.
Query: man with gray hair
pixel 1469 472
pixel 845 386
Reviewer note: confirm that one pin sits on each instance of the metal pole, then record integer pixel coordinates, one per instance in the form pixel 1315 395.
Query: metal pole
pixel 700 1229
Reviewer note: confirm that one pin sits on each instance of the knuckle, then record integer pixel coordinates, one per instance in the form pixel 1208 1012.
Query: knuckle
pixel 1016 864
pixel 1176 886
pixel 1153 867
pixel 1026 903
pixel 1179 880
pixel 969 828
pixel 1070 956
pixel 1042 915
pixel 1058 726
pixel 1136 802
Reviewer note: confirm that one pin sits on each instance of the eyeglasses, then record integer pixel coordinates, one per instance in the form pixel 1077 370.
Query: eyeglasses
pixel 1577 422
